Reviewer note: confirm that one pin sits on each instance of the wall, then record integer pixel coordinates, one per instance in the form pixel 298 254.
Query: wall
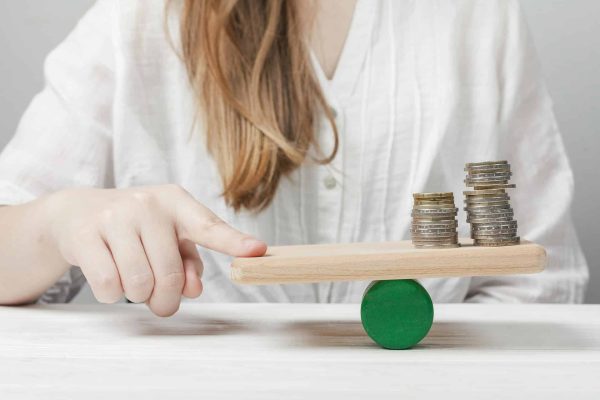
pixel 567 34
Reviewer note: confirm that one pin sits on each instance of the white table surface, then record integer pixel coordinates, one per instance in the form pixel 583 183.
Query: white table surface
pixel 287 351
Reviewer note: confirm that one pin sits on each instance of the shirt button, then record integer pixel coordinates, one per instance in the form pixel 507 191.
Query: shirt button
pixel 333 112
pixel 329 182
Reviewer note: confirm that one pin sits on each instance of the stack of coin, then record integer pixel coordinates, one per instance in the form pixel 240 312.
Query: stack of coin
pixel 434 221
pixel 488 204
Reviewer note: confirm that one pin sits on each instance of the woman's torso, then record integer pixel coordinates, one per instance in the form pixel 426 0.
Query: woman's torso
pixel 385 94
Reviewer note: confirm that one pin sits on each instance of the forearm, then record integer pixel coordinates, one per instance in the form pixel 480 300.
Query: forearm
pixel 29 260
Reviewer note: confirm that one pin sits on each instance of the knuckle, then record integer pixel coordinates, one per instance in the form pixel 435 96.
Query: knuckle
pixel 172 280
pixel 144 199
pixel 108 216
pixel 106 282
pixel 212 222
pixel 86 232
pixel 107 295
pixel 141 281
pixel 76 243
pixel 139 287
pixel 177 189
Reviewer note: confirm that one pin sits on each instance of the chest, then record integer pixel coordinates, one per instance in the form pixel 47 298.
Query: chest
pixel 329 23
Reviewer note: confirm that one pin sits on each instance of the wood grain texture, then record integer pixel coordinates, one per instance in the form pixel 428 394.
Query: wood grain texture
pixel 387 260
pixel 295 351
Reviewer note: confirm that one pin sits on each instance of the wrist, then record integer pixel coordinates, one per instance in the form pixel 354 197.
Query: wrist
pixel 46 212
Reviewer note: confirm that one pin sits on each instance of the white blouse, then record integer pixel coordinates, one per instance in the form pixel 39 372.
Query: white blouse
pixel 421 88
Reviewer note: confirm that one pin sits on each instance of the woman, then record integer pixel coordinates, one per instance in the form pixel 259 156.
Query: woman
pixel 295 122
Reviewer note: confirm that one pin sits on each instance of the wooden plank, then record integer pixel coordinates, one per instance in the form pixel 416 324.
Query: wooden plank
pixel 387 260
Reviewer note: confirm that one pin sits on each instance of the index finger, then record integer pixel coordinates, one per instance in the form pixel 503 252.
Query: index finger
pixel 197 223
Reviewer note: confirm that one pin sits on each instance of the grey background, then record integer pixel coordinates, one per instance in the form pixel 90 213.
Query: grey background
pixel 567 34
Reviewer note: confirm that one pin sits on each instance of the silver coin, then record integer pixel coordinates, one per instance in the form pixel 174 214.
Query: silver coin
pixel 483 195
pixel 504 238
pixel 436 228
pixel 490 203
pixel 485 163
pixel 495 186
pixel 433 207
pixel 488 168
pixel 489 209
pixel 479 211
pixel 433 195
pixel 486 220
pixel 426 220
pixel 425 234
pixel 434 211
pixel 493 211
pixel 494 234
pixel 479 192
pixel 499 196
pixel 417 214
pixel 481 184
pixel 435 240
pixel 433 203
pixel 421 228
pixel 437 246
pixel 487 181
pixel 493 226
pixel 485 200
pixel 483 239
pixel 486 172
pixel 480 180
pixel 426 237
pixel 420 222
pixel 443 217
pixel 475 217
pixel 433 230
pixel 432 219
pixel 487 175
pixel 492 243
pixel 498 169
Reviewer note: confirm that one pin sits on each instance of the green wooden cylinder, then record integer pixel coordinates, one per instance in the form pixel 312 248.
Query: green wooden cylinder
pixel 396 314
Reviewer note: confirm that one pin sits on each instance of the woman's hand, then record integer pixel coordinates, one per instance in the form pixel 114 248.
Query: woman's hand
pixel 140 242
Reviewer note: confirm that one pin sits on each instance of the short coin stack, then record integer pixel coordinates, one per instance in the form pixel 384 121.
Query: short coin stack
pixel 434 221
pixel 488 205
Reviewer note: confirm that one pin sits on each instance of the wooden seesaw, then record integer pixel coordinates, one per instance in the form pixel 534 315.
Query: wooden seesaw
pixel 396 311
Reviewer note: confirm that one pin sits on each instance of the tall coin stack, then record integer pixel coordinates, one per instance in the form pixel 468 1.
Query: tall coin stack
pixel 488 204
pixel 434 221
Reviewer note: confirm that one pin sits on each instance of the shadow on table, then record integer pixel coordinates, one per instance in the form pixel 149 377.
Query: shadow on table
pixel 449 335
pixel 350 333
pixel 328 334
pixel 187 327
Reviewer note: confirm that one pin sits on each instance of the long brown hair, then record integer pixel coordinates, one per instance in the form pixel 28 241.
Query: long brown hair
pixel 249 64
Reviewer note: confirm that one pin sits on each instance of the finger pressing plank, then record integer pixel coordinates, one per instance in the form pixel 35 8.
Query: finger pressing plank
pixel 197 223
